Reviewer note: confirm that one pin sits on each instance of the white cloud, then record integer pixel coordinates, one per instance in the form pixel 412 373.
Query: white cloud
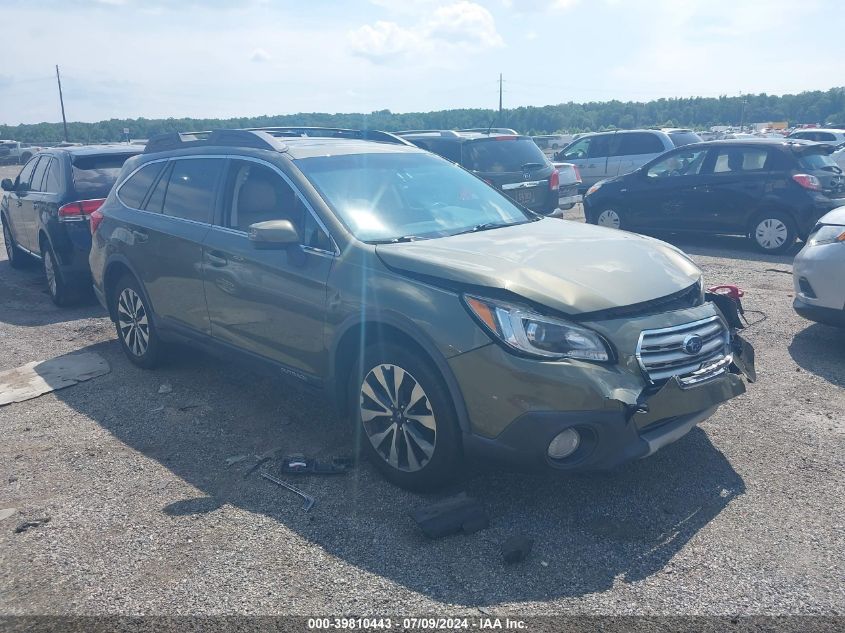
pixel 539 6
pixel 464 26
pixel 260 55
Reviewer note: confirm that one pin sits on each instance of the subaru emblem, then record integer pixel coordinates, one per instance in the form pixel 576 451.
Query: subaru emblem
pixel 692 344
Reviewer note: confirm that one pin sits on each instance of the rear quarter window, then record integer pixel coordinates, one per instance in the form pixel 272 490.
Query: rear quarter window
pixel 816 161
pixel 638 143
pixel 679 139
pixel 94 176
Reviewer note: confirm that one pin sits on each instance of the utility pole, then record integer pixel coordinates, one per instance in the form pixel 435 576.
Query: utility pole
pixel 742 112
pixel 500 97
pixel 62 101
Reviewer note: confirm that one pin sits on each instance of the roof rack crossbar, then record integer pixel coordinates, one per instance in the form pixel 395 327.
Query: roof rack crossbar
pixel 232 138
pixel 332 132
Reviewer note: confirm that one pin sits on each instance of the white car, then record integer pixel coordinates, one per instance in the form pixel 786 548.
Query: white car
pixel 821 135
pixel 817 272
pixel 570 183
pixel 839 158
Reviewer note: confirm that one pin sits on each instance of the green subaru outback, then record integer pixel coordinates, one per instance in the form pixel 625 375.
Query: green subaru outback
pixel 444 319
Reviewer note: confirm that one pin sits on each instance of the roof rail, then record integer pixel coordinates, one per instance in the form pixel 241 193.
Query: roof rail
pixel 232 138
pixel 491 130
pixel 332 132
pixel 451 133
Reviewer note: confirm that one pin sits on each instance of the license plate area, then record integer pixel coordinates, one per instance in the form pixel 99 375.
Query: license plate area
pixel 526 196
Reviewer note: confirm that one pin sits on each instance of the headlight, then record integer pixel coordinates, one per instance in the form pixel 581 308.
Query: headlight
pixel 594 188
pixel 827 234
pixel 535 334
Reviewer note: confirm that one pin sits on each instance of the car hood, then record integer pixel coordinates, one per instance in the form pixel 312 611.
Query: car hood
pixel 567 266
pixel 837 216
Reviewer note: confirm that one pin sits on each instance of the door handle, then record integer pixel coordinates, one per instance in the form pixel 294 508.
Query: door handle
pixel 140 237
pixel 217 259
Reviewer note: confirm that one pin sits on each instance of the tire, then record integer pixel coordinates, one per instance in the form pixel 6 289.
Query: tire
pixel 135 329
pixel 427 454
pixel 15 256
pixel 57 286
pixel 773 232
pixel 608 217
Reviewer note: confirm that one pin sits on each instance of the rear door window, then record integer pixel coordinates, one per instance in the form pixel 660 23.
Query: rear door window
pixel 636 143
pixel 191 189
pixel 507 155
pixel 38 174
pixel 133 191
pixel 741 159
pixel 94 176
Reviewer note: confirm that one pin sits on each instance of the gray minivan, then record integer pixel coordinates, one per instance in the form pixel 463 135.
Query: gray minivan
pixel 608 154
pixel 441 317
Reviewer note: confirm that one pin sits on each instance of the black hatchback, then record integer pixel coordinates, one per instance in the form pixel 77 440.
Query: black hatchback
pixel 511 163
pixel 770 190
pixel 46 212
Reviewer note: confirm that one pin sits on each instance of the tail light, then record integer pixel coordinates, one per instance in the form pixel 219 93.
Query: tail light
pixel 79 210
pixel 554 180
pixel 577 173
pixel 96 218
pixel 808 182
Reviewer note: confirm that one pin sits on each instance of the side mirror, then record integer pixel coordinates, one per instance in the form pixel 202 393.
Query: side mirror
pixel 273 234
pixel 7 184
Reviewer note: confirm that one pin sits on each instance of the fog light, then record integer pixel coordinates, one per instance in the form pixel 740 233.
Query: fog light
pixel 564 444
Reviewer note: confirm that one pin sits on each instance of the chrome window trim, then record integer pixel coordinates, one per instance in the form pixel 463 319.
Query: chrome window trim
pixel 675 328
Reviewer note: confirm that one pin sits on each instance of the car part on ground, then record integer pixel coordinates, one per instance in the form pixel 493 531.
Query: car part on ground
pixel 817 272
pixel 310 501
pixel 443 319
pixel 771 190
pixel 459 513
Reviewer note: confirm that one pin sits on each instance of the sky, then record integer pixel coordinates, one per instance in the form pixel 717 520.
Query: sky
pixel 229 58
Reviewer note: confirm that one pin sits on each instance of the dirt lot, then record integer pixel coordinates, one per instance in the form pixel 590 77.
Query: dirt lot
pixel 742 516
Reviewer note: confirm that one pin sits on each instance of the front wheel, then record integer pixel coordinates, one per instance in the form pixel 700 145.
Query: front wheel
pixel 13 253
pixel 135 330
pixel 773 232
pixel 404 418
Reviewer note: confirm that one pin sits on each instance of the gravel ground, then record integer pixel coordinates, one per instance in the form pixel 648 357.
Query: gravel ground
pixel 742 516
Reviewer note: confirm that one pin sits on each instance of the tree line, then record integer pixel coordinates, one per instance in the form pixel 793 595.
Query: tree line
pixel 813 107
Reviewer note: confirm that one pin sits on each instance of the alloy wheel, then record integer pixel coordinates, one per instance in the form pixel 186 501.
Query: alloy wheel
pixel 397 418
pixel 771 233
pixel 50 272
pixel 609 218
pixel 133 322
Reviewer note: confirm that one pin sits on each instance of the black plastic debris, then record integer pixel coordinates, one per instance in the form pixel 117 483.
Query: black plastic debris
pixel 450 516
pixel 516 548
pixel 34 523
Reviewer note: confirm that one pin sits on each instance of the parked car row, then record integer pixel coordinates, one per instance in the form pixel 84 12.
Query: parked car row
pixel 440 314
pixel 773 191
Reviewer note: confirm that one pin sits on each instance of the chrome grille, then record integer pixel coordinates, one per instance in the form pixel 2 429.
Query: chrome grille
pixel 662 355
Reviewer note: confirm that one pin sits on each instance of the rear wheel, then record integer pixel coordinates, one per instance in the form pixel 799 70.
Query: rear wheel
pixel 609 218
pixel 773 232
pixel 13 253
pixel 135 330
pixel 57 286
pixel 404 418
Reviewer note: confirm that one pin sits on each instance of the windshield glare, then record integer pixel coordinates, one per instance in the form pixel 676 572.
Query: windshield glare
pixel 382 197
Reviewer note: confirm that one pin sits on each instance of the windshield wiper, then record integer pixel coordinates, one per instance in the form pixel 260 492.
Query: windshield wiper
pixel 397 240
pixel 527 166
pixel 486 226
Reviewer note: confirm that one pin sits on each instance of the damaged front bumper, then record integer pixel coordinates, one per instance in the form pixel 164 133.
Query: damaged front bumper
pixel 629 422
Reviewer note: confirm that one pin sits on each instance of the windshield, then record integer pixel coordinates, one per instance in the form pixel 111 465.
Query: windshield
pixel 816 161
pixel 93 176
pixel 502 154
pixel 384 197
